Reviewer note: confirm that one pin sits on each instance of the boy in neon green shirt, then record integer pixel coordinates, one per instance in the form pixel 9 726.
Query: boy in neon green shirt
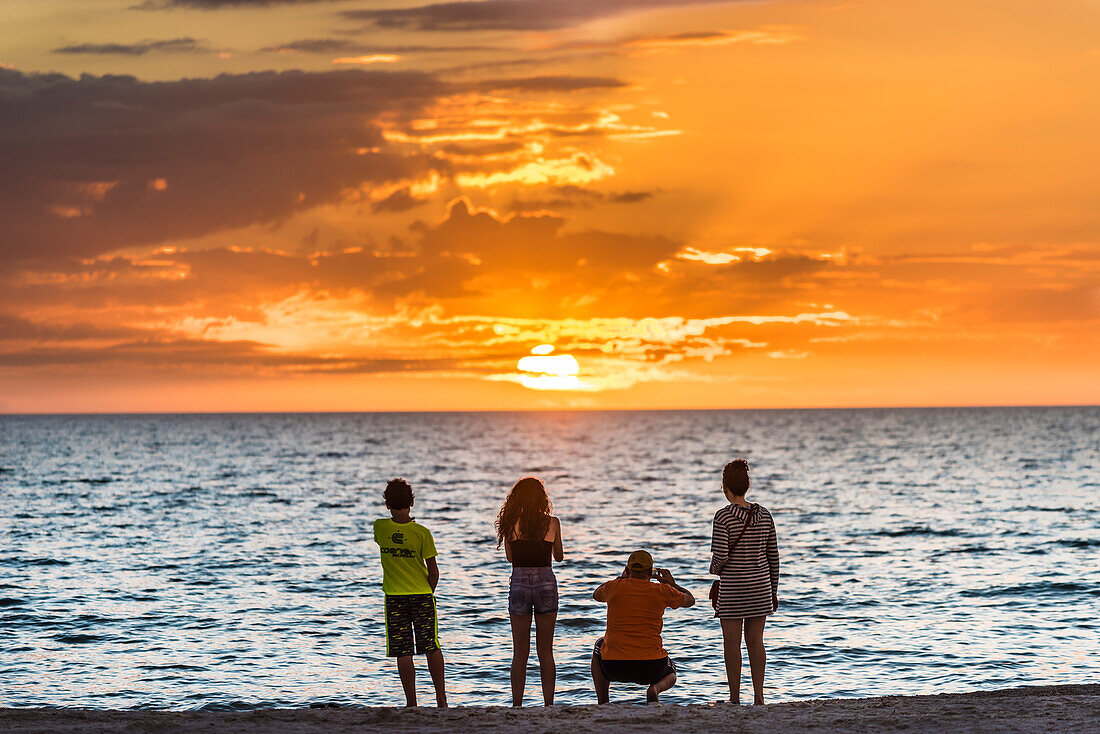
pixel 409 577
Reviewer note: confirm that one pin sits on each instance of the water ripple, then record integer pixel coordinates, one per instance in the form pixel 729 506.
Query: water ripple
pixel 226 562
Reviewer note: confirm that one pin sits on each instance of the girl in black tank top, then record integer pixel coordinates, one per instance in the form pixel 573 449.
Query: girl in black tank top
pixel 531 537
pixel 531 553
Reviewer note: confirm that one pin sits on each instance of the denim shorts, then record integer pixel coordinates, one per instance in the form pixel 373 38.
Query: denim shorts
pixel 532 590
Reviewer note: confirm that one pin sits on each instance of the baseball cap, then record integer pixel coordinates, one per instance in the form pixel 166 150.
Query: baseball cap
pixel 640 560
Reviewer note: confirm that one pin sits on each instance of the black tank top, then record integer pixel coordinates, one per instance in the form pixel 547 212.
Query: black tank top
pixel 531 553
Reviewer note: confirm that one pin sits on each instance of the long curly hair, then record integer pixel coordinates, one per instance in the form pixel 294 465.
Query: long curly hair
pixel 526 510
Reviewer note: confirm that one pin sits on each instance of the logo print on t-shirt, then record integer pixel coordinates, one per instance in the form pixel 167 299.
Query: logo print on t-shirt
pixel 398 538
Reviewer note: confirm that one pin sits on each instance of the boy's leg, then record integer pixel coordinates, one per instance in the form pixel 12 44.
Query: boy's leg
pixel 407 671
pixel 435 668
pixel 399 643
pixel 426 630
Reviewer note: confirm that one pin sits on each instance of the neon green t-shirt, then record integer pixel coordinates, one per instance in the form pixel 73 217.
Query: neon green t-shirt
pixel 404 546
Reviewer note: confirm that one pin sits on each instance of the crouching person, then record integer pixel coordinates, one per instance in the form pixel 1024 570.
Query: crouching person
pixel 631 650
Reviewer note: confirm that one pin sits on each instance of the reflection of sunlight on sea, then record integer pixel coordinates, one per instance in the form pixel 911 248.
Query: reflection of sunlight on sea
pixel 552 382
pixel 227 561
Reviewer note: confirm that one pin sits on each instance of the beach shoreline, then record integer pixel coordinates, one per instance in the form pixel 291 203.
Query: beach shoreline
pixel 1062 708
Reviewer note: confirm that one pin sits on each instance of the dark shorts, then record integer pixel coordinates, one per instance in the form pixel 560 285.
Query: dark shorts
pixel 532 590
pixel 411 619
pixel 642 672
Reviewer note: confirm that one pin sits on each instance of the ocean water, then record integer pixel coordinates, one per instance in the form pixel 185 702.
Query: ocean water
pixel 226 561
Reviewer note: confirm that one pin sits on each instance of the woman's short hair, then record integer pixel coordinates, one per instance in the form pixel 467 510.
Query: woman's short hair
pixel 735 477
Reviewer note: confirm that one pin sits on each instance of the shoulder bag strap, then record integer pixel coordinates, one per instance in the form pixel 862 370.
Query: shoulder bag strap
pixel 752 514
pixel 714 584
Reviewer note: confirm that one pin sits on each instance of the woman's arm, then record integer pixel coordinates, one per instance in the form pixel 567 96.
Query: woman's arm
pixel 773 563
pixel 508 549
pixel 559 549
pixel 719 546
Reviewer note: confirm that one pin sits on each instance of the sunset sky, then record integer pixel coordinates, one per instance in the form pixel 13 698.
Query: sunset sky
pixel 223 205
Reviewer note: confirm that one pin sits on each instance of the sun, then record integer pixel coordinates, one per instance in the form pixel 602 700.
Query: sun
pixel 543 370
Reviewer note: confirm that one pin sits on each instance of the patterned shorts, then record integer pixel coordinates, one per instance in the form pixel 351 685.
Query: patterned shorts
pixel 411 618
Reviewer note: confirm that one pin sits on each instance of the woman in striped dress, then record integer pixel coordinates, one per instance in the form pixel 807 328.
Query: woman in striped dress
pixel 745 557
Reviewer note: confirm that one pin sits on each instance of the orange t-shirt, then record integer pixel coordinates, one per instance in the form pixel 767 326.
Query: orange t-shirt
pixel 635 616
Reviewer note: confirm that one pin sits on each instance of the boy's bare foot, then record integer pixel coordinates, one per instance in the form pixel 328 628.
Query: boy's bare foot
pixel 650 695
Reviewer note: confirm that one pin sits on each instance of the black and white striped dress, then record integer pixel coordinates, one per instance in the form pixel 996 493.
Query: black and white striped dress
pixel 749 574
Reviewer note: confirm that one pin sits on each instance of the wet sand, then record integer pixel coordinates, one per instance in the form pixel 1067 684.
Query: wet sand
pixel 1068 708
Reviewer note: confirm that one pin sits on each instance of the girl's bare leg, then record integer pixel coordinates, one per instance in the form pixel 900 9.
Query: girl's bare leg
pixel 521 651
pixel 544 648
pixel 731 648
pixel 754 642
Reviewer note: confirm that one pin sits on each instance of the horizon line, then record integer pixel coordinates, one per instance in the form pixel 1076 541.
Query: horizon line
pixel 6 414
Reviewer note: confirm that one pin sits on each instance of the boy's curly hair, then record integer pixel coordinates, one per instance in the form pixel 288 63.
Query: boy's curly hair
pixel 398 494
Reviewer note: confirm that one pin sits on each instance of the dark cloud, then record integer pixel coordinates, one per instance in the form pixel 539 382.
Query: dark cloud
pixel 14 327
pixel 477 257
pixel 221 4
pixel 509 15
pixel 551 83
pixel 347 45
pixel 399 201
pixel 567 197
pixel 630 197
pixel 98 163
pixel 175 355
pixel 536 244
pixel 1017 305
pixel 482 149
pixel 171 45
pixel 222 282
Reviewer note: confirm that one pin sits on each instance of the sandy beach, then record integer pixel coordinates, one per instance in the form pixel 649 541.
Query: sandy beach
pixel 1067 708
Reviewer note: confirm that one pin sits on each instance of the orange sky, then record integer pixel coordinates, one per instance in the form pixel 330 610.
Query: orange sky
pixel 223 205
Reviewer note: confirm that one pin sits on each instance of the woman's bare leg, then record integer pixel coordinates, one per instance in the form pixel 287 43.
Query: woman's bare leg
pixel 731 648
pixel 544 648
pixel 521 651
pixel 754 642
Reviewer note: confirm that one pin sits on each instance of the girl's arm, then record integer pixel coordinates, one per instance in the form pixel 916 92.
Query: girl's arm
pixel 559 549
pixel 508 549
pixel 719 547
pixel 773 561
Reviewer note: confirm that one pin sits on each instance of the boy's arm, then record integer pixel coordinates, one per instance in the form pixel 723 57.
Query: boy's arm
pixel 428 551
pixel 433 572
